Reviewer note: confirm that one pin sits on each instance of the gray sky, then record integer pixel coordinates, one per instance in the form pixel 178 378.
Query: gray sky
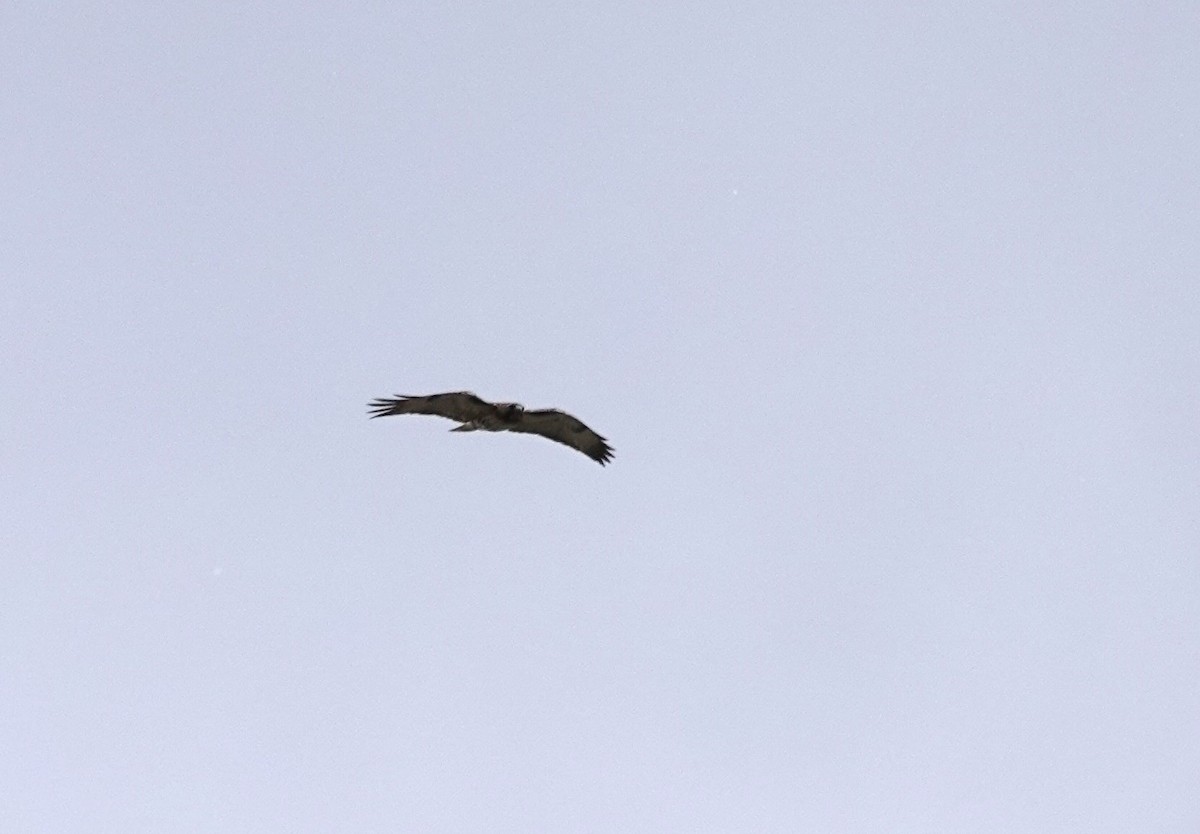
pixel 891 315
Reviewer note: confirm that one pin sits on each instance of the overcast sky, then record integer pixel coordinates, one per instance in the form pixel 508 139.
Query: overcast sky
pixel 892 316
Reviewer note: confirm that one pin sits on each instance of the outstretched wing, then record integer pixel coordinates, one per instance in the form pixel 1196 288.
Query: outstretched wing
pixel 462 406
pixel 563 428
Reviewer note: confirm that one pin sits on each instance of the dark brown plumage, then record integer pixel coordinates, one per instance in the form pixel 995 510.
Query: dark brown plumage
pixel 476 414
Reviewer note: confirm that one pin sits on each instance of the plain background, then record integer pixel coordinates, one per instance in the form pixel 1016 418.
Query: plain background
pixel 890 311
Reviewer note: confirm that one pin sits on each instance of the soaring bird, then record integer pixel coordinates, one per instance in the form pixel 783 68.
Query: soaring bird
pixel 476 414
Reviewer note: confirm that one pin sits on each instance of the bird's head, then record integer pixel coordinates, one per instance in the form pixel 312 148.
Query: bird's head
pixel 511 411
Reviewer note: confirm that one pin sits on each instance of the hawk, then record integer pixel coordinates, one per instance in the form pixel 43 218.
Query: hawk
pixel 476 414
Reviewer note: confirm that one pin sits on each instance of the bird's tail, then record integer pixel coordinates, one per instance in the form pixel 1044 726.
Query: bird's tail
pixel 465 427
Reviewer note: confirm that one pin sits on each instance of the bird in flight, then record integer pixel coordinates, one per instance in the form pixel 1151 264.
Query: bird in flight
pixel 476 414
